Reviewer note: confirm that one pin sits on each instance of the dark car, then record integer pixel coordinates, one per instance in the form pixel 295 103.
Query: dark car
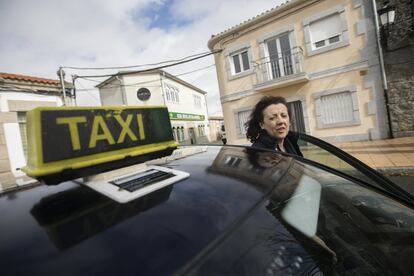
pixel 241 211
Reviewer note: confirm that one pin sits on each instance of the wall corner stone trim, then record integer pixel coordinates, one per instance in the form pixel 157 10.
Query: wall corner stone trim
pixel 8 117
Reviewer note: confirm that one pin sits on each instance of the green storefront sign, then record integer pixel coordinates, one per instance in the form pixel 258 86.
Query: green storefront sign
pixel 186 116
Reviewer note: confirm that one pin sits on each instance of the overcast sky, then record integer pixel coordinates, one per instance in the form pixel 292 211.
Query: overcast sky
pixel 38 36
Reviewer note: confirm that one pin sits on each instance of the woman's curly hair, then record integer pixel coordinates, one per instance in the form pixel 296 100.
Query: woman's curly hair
pixel 256 117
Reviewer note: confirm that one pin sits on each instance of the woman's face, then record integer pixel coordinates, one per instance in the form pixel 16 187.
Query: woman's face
pixel 276 121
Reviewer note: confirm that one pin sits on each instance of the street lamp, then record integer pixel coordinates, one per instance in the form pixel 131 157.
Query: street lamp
pixel 387 16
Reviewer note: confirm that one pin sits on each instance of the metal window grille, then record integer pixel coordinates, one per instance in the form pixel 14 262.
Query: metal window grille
pixel 337 108
pixel 243 117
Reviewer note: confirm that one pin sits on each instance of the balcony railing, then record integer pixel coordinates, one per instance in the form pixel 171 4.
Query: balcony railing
pixel 280 66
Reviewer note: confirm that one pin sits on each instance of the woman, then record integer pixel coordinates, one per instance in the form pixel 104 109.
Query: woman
pixel 268 126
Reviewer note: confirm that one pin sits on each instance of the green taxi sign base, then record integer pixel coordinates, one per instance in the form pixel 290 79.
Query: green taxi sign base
pixel 70 142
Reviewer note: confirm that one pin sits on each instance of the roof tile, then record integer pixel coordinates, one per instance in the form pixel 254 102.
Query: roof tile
pixel 9 76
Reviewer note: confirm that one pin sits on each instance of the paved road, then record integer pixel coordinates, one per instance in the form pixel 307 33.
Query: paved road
pixel 405 182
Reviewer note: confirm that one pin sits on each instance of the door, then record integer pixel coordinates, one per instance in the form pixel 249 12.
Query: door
pixel 329 156
pixel 279 57
pixel 191 134
pixel 297 122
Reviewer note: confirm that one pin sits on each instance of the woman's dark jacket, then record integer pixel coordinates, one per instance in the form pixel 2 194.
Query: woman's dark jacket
pixel 290 143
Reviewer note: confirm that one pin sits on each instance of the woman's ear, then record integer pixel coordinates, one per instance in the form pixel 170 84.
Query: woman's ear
pixel 261 125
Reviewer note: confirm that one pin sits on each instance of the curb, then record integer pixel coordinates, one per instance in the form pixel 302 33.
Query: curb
pixel 396 171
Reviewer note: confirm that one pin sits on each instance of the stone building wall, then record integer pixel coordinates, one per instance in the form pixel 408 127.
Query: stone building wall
pixel 399 67
pixel 401 99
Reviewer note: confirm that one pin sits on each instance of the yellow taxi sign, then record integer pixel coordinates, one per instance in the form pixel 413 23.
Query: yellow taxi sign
pixel 68 139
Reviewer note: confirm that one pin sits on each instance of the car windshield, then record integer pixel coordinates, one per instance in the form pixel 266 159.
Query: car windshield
pixel 316 222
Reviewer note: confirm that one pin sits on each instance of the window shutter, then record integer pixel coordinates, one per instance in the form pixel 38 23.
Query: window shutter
pixel 337 108
pixel 325 28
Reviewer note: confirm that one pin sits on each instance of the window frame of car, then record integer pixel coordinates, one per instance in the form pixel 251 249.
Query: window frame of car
pixel 385 185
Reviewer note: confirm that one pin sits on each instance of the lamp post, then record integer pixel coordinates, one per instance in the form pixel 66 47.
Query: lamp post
pixel 387 16
pixel 61 75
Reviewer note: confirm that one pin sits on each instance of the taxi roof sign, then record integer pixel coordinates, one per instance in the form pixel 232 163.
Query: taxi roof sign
pixel 70 142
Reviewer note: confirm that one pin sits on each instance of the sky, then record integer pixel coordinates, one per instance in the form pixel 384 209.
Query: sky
pixel 38 37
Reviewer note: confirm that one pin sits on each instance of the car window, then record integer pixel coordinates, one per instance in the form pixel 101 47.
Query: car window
pixel 316 153
pixel 324 153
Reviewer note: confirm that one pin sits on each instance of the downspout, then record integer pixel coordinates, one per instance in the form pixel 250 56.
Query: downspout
pixel 382 67
pixel 207 119
pixel 74 77
pixel 123 93
pixel 162 87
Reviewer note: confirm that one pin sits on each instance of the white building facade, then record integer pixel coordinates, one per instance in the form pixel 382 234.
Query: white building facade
pixel 19 94
pixel 187 104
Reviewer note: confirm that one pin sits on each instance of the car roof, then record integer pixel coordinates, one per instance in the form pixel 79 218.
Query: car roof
pixel 75 229
pixel 70 222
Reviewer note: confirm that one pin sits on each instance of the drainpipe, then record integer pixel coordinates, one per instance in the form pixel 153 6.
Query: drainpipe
pixel 74 77
pixel 162 87
pixel 382 66
pixel 123 93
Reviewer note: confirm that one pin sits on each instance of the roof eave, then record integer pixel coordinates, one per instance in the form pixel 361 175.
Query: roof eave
pixel 250 22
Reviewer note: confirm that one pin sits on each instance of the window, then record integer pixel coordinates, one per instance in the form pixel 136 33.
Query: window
pixel 232 161
pixel 241 118
pixel 326 31
pixel 172 93
pixel 239 62
pixel 278 56
pixel 180 134
pixel 21 118
pixel 167 93
pixel 174 134
pixel 197 101
pixel 337 107
pixel 201 130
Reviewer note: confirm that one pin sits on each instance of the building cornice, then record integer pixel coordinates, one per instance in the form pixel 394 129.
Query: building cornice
pixel 278 10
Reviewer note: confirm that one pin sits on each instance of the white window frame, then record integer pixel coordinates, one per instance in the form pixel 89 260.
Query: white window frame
pixel 264 52
pixel 355 107
pixel 197 100
pixel 343 35
pixel 229 62
pixel 240 129
pixel 172 93
pixel 239 57
pixel 279 53
pixel 22 121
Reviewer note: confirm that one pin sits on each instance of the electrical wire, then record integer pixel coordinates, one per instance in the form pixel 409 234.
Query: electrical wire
pixel 151 69
pixel 86 90
pixel 133 66
pixel 142 82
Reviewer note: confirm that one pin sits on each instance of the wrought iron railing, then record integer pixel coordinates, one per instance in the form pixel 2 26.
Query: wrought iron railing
pixel 280 65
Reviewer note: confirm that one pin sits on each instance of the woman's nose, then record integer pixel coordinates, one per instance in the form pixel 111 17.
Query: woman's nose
pixel 279 120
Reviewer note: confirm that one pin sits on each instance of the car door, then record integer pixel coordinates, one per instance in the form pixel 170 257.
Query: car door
pixel 329 156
